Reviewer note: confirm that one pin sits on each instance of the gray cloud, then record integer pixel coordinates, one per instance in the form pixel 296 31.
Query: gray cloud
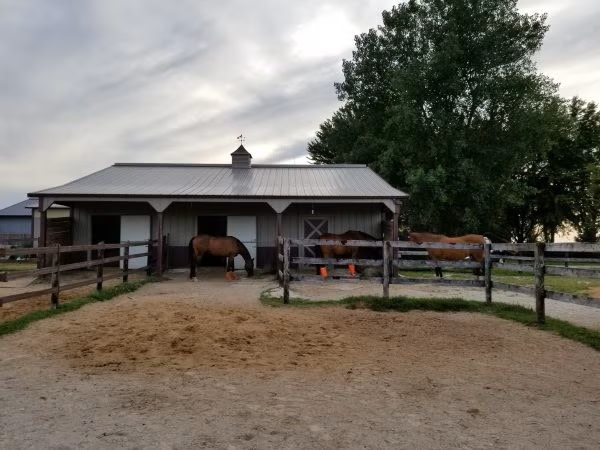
pixel 88 83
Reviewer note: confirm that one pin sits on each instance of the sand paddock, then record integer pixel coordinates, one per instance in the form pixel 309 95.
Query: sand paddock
pixel 191 365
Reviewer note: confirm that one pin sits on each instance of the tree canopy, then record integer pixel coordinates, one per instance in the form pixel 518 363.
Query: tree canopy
pixel 445 102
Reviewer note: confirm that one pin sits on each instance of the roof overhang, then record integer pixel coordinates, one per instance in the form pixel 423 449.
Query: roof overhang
pixel 160 204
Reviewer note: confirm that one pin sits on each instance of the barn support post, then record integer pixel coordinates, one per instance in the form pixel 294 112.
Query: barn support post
pixel 395 220
pixel 278 231
pixel 43 232
pixel 397 206
pixel 159 248
pixel 386 269
pixel 540 291
pixel 286 271
pixel 487 255
pixel 55 279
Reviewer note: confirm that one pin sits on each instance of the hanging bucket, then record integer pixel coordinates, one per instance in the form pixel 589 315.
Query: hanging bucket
pixel 352 269
pixel 323 271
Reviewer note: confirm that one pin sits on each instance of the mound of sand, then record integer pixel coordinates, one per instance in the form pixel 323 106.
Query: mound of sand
pixel 182 336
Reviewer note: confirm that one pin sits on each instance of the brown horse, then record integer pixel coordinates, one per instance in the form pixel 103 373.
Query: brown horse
pixel 451 254
pixel 346 251
pixel 227 246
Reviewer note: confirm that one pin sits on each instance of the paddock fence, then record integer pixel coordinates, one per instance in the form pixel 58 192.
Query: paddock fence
pixel 538 259
pixel 94 256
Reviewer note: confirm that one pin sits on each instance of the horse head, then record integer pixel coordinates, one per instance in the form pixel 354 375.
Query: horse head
pixel 249 266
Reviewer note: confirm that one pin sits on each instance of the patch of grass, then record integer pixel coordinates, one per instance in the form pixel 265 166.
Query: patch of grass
pixel 506 311
pixel 268 300
pixel 14 266
pixel 570 285
pixel 559 283
pixel 11 326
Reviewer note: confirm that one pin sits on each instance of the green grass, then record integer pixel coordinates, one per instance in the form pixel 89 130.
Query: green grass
pixel 559 283
pixel 11 326
pixel 13 266
pixel 506 311
pixel 268 300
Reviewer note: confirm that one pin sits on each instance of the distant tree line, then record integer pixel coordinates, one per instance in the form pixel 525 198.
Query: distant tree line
pixel 445 102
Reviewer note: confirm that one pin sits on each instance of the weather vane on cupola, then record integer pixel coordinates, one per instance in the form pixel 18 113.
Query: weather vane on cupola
pixel 241 138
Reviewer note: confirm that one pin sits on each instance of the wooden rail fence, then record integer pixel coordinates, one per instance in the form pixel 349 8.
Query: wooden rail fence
pixel 55 269
pixel 401 255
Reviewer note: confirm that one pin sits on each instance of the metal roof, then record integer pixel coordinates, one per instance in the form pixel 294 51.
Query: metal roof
pixel 18 209
pixel 221 180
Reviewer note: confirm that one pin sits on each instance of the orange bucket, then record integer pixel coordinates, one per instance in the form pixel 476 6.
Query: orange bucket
pixel 352 269
pixel 323 271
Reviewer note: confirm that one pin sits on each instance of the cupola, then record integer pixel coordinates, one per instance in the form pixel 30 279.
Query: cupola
pixel 240 159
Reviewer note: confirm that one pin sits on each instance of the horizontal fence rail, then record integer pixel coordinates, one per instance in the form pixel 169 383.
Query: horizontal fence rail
pixel 537 259
pixel 55 269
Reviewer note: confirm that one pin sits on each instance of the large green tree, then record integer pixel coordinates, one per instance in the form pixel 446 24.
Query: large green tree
pixel 584 146
pixel 560 182
pixel 444 101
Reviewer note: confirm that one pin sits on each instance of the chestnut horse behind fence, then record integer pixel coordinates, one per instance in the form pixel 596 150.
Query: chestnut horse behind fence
pixel 227 246
pixel 451 254
pixel 346 251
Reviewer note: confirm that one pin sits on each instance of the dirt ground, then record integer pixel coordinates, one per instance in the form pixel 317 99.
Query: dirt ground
pixel 185 365
pixel 16 309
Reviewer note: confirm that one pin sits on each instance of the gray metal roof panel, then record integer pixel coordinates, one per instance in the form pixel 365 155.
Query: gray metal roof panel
pixel 199 180
pixel 18 209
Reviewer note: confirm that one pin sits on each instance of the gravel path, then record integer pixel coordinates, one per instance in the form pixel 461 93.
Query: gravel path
pixel 577 314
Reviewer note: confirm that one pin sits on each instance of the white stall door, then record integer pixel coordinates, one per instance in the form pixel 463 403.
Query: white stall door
pixel 243 228
pixel 135 228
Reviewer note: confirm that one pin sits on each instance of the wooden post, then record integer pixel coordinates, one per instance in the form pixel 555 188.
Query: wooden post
pixel 395 231
pixel 100 267
pixel 126 263
pixel 397 207
pixel 286 271
pixel 159 250
pixel 386 269
pixel 55 278
pixel 487 255
pixel 540 292
pixel 43 231
pixel 278 228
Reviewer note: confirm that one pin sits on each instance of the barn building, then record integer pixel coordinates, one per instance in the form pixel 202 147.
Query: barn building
pixel 255 203
pixel 15 223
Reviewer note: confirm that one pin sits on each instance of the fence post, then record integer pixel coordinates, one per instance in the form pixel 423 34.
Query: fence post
pixel 286 270
pixel 487 254
pixel 100 269
pixel 55 278
pixel 126 263
pixel 149 257
pixel 540 292
pixel 386 269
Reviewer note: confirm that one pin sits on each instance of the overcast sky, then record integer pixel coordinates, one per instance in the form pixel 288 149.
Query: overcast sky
pixel 84 84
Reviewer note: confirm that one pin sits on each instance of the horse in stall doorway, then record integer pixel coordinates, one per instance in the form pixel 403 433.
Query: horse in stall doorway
pixel 227 246
pixel 450 254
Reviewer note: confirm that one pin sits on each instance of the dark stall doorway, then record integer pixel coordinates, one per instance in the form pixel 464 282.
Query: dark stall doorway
pixel 107 229
pixel 215 226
